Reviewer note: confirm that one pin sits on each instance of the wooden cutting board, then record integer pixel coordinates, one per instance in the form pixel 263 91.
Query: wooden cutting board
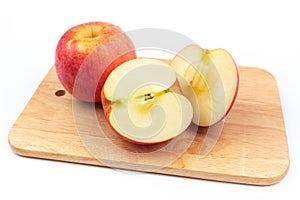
pixel 252 148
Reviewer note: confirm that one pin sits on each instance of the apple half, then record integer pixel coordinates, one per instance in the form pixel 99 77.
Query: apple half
pixel 142 102
pixel 209 79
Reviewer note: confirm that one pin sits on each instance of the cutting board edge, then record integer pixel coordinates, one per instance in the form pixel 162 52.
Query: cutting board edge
pixel 235 179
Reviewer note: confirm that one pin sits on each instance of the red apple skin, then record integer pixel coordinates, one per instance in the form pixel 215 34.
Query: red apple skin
pixel 106 105
pixel 76 47
pixel 237 88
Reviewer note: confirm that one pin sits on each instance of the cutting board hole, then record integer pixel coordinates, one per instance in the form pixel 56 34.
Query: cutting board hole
pixel 60 93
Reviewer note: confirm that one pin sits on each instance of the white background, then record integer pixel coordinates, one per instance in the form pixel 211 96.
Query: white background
pixel 260 33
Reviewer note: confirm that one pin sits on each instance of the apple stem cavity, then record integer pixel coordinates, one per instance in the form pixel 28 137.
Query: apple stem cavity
pixel 142 98
pixel 151 95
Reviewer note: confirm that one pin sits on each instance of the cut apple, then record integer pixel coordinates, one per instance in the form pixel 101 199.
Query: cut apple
pixel 209 79
pixel 142 102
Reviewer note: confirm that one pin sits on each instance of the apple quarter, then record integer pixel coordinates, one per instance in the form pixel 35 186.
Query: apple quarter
pixel 209 79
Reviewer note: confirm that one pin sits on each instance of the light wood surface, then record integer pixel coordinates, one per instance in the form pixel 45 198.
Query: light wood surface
pixel 252 148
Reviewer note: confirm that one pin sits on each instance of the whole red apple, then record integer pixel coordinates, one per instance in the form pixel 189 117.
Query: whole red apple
pixel 87 53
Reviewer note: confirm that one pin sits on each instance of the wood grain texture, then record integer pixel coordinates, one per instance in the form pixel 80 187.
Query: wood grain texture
pixel 252 148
